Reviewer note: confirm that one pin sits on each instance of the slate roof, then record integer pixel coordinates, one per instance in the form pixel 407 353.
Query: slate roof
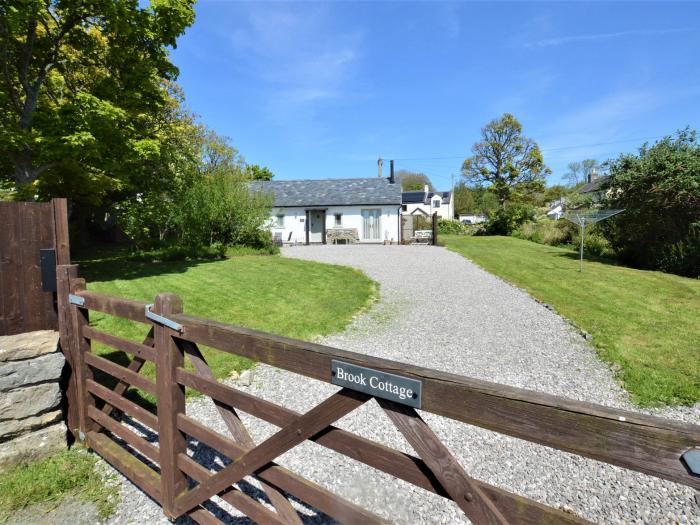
pixel 594 185
pixel 333 192
pixel 414 197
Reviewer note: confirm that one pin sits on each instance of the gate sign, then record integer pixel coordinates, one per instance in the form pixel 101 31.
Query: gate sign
pixel 399 389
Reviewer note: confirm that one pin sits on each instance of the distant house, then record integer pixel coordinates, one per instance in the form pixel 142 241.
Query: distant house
pixel 556 208
pixel 366 210
pixel 427 202
pixel 472 219
pixel 593 187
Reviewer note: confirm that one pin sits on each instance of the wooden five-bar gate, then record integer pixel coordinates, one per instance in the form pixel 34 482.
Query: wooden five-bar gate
pixel 164 470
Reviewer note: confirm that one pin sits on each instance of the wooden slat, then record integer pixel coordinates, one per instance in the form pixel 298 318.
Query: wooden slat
pixel 121 373
pixel 247 505
pixel 123 404
pixel 239 432
pixel 398 464
pixel 315 420
pixel 204 517
pixel 135 366
pixel 635 441
pixel 135 349
pixel 315 495
pixel 107 304
pixel 138 472
pixel 10 263
pixel 464 491
pixel 149 450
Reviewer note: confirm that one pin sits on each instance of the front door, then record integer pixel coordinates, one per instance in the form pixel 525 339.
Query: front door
pixel 371 225
pixel 317 225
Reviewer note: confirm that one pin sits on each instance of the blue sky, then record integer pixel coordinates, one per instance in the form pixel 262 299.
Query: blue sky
pixel 320 90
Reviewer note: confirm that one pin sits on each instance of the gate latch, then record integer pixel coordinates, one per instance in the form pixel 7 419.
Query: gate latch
pixel 162 320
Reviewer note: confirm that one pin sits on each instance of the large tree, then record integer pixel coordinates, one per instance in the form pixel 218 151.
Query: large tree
pixel 509 163
pixel 82 89
pixel 578 172
pixel 413 180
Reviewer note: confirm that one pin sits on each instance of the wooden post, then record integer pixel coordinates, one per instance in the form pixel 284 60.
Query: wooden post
pixel 80 319
pixel 68 343
pixel 171 402
pixel 435 228
pixel 61 238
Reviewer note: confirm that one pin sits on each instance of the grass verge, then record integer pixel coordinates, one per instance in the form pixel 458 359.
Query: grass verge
pixel 645 323
pixel 46 483
pixel 289 297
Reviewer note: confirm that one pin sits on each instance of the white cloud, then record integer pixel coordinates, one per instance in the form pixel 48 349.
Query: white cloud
pixel 572 39
pixel 298 56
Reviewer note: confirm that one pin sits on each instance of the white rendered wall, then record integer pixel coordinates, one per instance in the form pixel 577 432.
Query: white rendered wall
pixel 295 221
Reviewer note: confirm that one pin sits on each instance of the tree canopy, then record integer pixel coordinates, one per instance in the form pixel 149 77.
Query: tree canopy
pixel 86 96
pixel 413 180
pixel 578 172
pixel 509 163
pixel 659 189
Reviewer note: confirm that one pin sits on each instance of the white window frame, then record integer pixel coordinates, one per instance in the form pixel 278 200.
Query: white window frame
pixel 338 220
pixel 279 220
pixel 436 203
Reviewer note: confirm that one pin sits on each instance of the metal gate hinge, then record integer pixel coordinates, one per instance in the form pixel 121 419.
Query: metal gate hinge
pixel 76 299
pixel 162 320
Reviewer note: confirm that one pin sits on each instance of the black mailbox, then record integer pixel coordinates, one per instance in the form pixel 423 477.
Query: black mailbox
pixel 48 269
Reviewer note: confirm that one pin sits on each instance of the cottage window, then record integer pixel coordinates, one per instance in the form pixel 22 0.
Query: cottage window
pixel 436 203
pixel 338 220
pixel 279 221
pixel 404 207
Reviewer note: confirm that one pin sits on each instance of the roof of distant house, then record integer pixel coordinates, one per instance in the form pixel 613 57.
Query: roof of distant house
pixel 594 185
pixel 333 192
pixel 415 197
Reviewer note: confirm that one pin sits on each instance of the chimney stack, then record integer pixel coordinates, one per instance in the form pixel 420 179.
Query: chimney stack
pixel 426 188
pixel 380 161
pixel 592 176
pixel 391 172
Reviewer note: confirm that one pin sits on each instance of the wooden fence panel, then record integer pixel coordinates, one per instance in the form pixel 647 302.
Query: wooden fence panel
pixel 25 229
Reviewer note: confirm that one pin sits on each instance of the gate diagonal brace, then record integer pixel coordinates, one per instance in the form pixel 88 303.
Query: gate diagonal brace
pixel 161 319
pixel 315 420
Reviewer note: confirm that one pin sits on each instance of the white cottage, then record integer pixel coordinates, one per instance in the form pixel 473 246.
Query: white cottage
pixel 335 210
pixel 428 202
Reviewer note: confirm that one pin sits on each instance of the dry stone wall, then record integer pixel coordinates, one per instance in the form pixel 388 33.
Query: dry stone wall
pixel 31 421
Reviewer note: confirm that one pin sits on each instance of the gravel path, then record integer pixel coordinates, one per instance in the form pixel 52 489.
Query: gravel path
pixel 439 310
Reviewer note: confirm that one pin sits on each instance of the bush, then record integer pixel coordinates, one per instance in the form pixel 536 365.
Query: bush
pixel 596 245
pixel 546 231
pixel 179 253
pixel 206 209
pixel 453 227
pixel 659 189
pixel 504 221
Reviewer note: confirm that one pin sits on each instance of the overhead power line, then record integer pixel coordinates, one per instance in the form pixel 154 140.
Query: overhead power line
pixel 544 150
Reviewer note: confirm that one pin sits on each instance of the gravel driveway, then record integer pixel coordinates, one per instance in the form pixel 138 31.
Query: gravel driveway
pixel 439 310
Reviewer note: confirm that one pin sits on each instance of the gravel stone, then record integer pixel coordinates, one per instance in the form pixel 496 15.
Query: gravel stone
pixel 439 310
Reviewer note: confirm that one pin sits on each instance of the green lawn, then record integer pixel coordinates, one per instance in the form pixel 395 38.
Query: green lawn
pixel 294 298
pixel 47 483
pixel 646 323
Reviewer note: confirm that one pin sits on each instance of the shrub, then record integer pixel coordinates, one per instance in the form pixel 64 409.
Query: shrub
pixel 179 253
pixel 659 188
pixel 453 227
pixel 546 231
pixel 596 245
pixel 504 221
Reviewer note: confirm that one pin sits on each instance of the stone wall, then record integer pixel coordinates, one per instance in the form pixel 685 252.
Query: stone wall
pixel 31 421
